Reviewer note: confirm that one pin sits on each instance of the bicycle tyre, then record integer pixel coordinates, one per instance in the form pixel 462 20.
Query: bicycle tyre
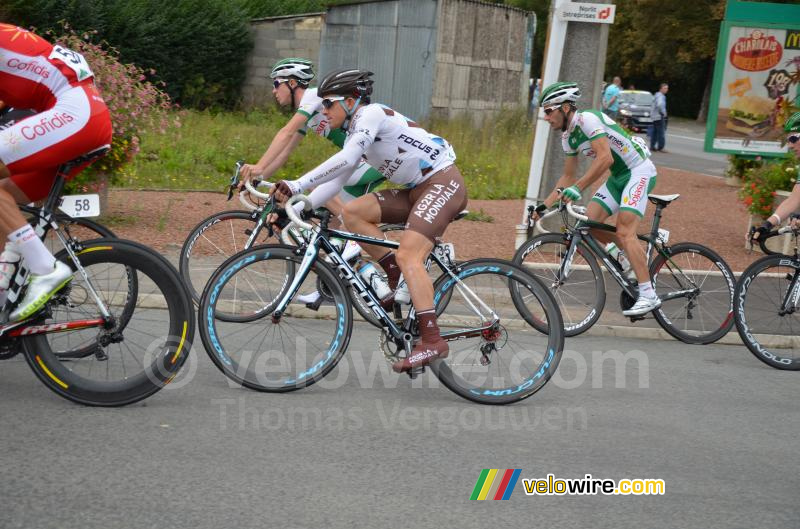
pixel 225 235
pixel 234 359
pixel 172 312
pixel 578 316
pixel 456 319
pixel 766 289
pixel 676 318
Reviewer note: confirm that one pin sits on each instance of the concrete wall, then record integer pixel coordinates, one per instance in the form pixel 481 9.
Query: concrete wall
pixel 482 58
pixel 395 39
pixel 275 39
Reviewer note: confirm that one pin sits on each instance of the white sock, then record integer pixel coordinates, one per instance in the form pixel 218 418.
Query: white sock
pixel 37 257
pixel 646 290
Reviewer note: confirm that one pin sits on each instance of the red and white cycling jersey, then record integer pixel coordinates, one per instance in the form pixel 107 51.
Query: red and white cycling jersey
pixel 73 118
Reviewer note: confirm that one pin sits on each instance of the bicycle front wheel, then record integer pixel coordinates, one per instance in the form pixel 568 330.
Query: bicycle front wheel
pixel 767 315
pixel 496 355
pixel 582 295
pixel 296 351
pixel 146 342
pixel 696 289
pixel 210 243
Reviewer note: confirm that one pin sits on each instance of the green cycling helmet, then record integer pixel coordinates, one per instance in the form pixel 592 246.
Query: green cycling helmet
pixel 561 92
pixel 293 68
pixel 793 123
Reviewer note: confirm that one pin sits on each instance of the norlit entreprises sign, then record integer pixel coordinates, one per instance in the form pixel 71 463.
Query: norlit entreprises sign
pixel 581 12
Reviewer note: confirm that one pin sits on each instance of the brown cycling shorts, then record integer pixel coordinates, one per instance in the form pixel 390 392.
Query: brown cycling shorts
pixel 429 207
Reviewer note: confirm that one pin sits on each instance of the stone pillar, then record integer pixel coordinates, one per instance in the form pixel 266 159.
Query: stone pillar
pixel 583 61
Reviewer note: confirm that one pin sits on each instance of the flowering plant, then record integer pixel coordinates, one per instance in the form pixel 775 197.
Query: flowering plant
pixel 762 182
pixel 136 105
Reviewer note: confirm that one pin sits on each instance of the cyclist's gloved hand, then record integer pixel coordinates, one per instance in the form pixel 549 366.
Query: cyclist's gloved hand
pixel 572 193
pixel 284 190
pixel 538 211
pixel 762 230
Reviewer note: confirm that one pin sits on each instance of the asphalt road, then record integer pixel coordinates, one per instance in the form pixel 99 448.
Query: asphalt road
pixel 684 149
pixel 369 450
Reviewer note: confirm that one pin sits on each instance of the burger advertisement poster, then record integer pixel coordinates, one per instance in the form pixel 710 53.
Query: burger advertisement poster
pixel 756 80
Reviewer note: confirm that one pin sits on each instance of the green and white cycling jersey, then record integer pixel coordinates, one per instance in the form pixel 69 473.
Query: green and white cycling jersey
pixel 626 150
pixel 633 175
pixel 311 108
pixel 365 178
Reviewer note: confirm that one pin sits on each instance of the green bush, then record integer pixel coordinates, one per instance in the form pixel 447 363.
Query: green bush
pixel 198 48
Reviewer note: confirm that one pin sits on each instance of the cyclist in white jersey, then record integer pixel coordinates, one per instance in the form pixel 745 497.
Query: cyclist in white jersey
pixel 405 154
pixel 291 78
pixel 633 175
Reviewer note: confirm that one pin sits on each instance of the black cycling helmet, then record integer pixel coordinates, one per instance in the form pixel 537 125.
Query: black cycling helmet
pixel 349 83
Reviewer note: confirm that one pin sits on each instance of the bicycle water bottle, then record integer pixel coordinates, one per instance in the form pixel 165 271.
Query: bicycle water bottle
pixel 619 255
pixel 375 281
pixel 402 295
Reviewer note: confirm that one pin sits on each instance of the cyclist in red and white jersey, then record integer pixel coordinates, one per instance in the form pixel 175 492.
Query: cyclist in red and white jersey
pixel 72 119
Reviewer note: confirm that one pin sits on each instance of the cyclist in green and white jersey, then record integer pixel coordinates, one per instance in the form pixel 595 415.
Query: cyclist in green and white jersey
pixel 291 78
pixel 633 175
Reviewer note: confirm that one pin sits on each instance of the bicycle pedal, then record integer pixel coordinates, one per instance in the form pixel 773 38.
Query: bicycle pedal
pixel 315 305
pixel 634 319
pixel 415 372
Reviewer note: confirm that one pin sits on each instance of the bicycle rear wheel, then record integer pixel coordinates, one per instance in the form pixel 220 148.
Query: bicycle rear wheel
pixel 496 355
pixel 696 288
pixel 146 343
pixel 767 315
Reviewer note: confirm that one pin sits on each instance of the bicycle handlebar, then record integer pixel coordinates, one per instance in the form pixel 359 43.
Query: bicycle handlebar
pixel 575 211
pixel 762 241
pixel 292 214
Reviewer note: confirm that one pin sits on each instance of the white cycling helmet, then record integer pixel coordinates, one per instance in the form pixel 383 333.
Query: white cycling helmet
pixel 562 92
pixel 293 68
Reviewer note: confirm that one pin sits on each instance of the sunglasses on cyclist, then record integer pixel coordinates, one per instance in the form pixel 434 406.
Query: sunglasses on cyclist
pixel 329 101
pixel 277 82
pixel 793 138
pixel 550 110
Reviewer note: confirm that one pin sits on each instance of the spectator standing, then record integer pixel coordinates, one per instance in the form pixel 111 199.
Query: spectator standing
pixel 659 115
pixel 611 98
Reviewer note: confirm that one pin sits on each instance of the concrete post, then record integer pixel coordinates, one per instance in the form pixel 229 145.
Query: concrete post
pixel 582 60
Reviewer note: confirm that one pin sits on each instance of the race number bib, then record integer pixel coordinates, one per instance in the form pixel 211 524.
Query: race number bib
pixel 80 205
pixel 74 60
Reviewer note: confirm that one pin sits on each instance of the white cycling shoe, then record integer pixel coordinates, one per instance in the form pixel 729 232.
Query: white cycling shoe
pixel 307 298
pixel 40 289
pixel 643 305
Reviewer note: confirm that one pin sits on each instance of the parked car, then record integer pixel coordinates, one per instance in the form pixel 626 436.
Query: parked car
pixel 634 109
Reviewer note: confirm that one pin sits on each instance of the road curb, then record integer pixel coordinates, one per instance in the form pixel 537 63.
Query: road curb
pixel 650 333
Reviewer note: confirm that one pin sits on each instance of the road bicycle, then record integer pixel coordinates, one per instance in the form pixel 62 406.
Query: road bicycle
pixel 119 331
pixel 503 326
pixel 221 235
pixel 766 303
pixel 694 283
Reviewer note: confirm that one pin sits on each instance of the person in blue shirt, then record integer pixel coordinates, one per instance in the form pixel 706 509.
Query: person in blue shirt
pixel 611 98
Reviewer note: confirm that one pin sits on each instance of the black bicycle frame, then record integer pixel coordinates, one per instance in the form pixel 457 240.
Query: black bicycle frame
pixel 45 220
pixel 582 233
pixel 320 240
